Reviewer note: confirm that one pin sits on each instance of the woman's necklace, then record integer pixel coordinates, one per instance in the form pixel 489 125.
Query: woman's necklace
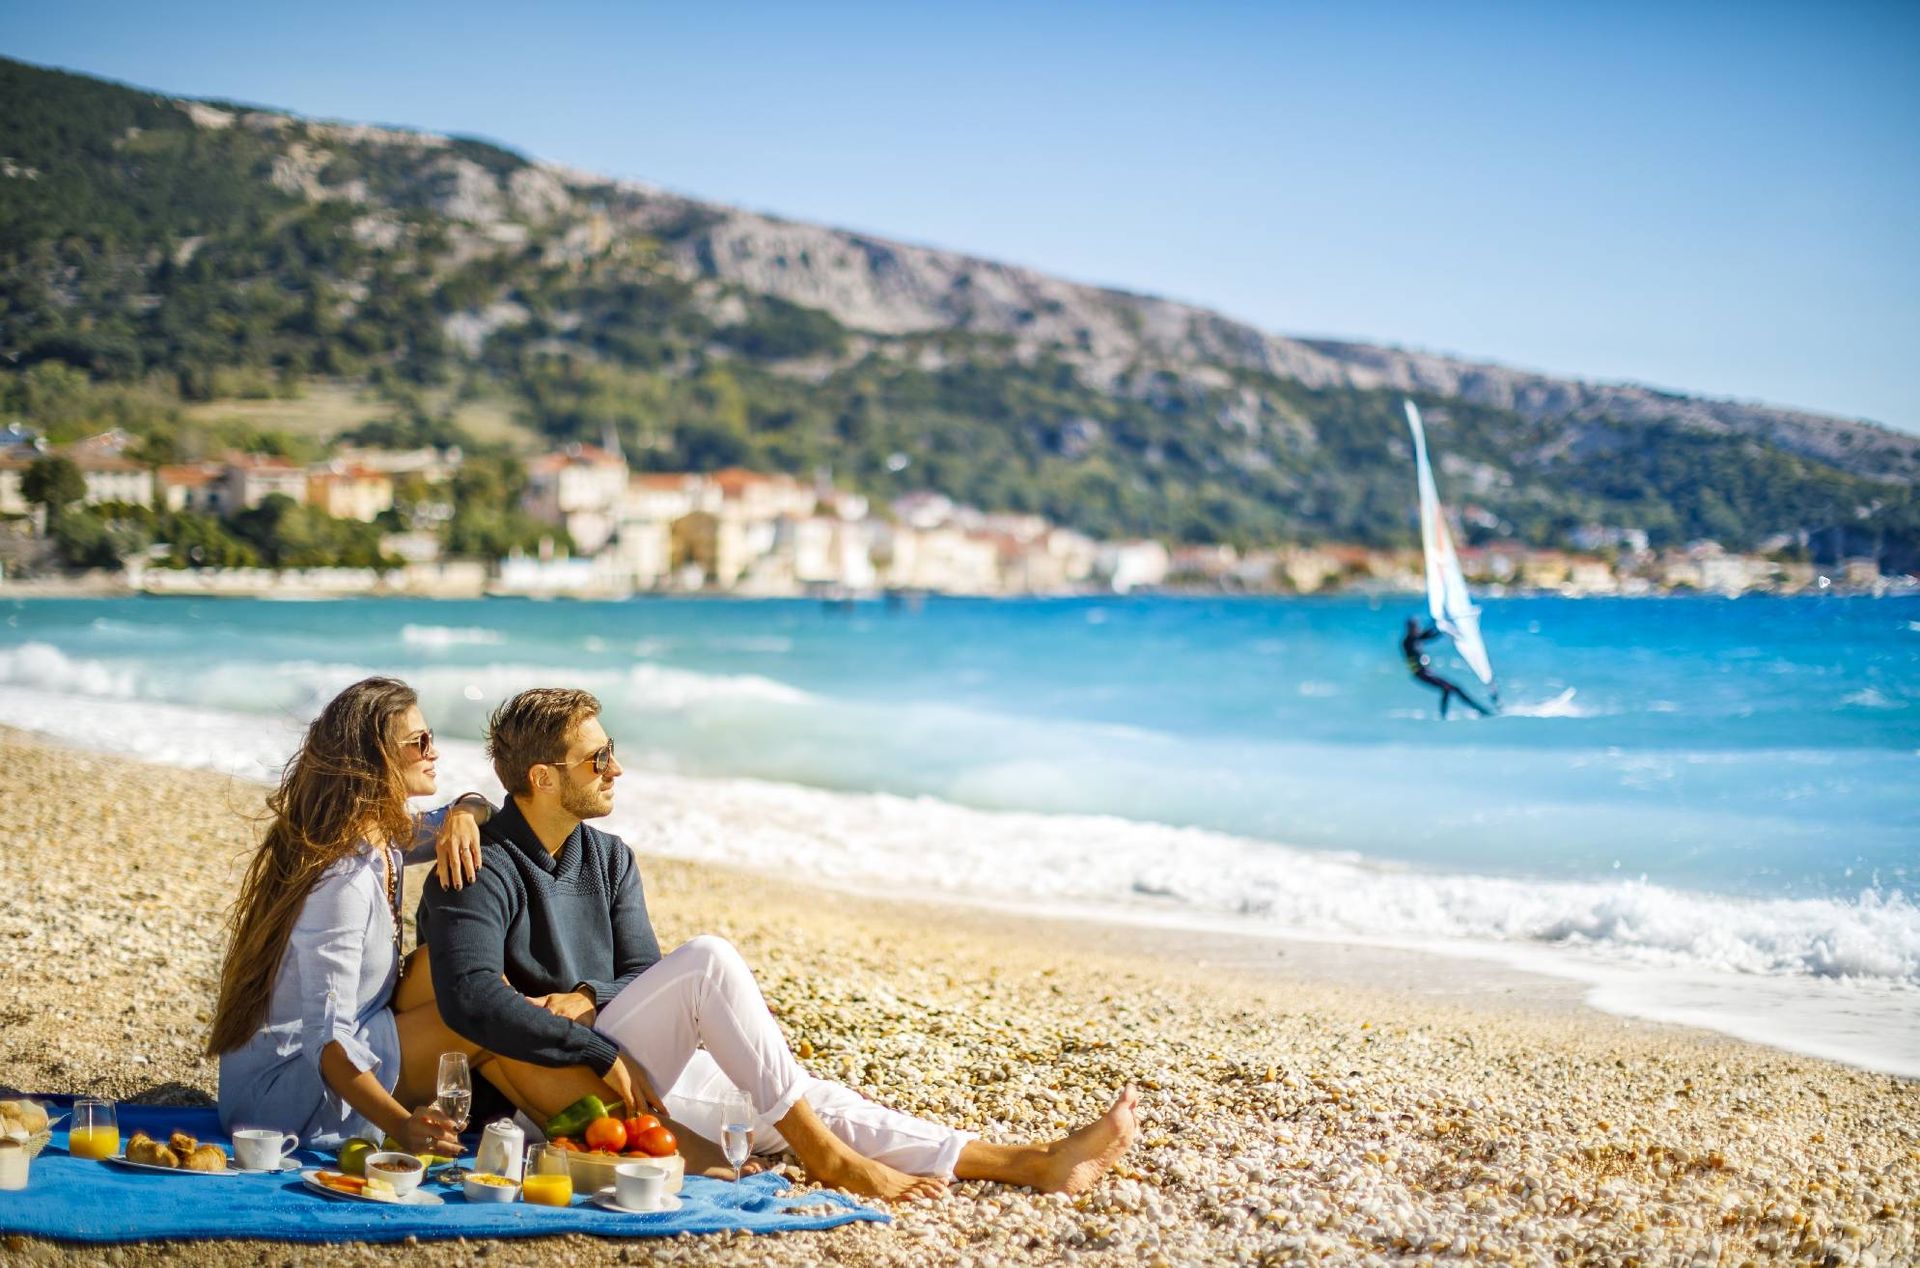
pixel 393 894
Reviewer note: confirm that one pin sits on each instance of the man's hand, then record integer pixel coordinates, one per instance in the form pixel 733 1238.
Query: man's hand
pixel 572 1005
pixel 456 850
pixel 629 1082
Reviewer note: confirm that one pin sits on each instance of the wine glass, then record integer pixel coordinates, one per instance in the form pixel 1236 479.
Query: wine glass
pixel 453 1096
pixel 736 1130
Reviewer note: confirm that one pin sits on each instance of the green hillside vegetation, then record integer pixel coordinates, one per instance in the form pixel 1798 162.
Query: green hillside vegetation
pixel 153 276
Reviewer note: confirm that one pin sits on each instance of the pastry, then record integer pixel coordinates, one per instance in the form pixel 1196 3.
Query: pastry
pixel 182 1144
pixel 145 1149
pixel 205 1158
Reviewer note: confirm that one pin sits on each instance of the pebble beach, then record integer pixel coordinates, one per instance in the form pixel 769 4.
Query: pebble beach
pixel 1299 1103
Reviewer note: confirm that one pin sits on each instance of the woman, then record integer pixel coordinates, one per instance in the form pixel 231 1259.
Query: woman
pixel 307 1037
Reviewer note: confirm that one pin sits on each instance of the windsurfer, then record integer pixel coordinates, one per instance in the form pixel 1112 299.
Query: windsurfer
pixel 1421 666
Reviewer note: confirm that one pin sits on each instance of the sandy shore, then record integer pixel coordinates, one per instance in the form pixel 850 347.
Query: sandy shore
pixel 1301 1103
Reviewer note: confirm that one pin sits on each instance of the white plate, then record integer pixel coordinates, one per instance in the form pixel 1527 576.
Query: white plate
pixel 121 1159
pixel 605 1198
pixel 419 1197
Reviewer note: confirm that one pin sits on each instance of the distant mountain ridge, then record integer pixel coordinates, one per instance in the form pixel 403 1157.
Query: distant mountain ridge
pixel 871 283
pixel 142 232
pixel 890 287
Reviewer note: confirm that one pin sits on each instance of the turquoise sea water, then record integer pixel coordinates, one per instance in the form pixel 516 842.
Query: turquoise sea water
pixel 1749 746
pixel 1727 785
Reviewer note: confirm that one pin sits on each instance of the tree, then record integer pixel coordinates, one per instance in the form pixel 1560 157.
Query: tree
pixel 53 481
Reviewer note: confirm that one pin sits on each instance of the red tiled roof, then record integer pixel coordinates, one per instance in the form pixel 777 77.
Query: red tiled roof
pixel 187 477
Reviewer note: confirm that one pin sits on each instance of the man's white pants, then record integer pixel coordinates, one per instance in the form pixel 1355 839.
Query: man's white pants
pixel 703 994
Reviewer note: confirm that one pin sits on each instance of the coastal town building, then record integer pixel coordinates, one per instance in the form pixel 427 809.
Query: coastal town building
pixel 581 489
pixel 193 486
pixel 431 465
pixel 250 479
pixel 760 533
pixel 13 468
pixel 350 491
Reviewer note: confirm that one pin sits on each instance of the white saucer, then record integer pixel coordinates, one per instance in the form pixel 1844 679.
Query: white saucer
pixel 418 1197
pixel 605 1198
pixel 121 1160
pixel 286 1164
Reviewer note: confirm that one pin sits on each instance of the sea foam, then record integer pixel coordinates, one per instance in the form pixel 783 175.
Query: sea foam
pixel 450 636
pixel 1638 943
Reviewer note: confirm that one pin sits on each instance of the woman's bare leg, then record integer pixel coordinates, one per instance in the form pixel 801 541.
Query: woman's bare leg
pixel 541 1091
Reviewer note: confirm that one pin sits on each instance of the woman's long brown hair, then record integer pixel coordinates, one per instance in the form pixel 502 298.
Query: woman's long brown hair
pixel 342 787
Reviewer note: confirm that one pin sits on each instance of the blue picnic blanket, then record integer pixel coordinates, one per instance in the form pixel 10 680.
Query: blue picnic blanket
pixel 81 1200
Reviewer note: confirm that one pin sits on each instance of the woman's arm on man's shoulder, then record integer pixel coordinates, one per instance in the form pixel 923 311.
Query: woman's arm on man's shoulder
pixel 450 838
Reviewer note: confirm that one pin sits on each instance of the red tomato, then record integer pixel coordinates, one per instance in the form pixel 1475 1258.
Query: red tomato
pixel 639 1123
pixel 608 1134
pixel 658 1142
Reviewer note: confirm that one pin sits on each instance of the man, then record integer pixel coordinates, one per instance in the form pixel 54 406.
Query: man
pixel 1421 666
pixel 548 957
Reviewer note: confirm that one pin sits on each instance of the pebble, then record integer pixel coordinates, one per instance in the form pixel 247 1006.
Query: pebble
pixel 1277 1124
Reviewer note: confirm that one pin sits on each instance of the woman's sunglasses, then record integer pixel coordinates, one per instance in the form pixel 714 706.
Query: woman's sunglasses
pixel 422 741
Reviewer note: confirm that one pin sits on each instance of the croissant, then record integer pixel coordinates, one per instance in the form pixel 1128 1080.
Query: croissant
pixel 205 1158
pixel 182 1144
pixel 144 1148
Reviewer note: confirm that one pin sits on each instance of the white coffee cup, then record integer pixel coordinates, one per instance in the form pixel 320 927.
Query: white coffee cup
pixel 639 1186
pixel 259 1149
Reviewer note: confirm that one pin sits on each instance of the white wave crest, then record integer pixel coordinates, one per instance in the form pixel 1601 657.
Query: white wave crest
pixel 661 687
pixel 46 667
pixel 926 844
pixel 1561 706
pixel 450 636
pixel 299 687
pixel 1864 952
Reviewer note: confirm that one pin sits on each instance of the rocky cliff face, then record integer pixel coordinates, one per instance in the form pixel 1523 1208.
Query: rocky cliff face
pixel 892 288
pixel 896 288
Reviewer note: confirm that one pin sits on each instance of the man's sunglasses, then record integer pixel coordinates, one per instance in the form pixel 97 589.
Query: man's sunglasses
pixel 601 758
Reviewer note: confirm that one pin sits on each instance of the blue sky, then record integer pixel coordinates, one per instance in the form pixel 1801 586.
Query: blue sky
pixel 1716 198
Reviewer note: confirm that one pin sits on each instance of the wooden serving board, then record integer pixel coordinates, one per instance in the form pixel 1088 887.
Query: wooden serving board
pixel 591 1174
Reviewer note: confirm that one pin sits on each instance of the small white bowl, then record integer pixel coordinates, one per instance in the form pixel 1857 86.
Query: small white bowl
pixel 403 1171
pixel 478 1192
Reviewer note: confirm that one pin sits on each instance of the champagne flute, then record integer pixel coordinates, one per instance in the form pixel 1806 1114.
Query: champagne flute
pixel 453 1096
pixel 736 1130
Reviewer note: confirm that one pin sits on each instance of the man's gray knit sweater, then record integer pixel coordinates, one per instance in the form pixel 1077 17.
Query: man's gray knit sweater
pixel 549 924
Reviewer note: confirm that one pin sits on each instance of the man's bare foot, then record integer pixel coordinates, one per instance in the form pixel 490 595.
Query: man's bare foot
pixel 867 1178
pixel 1076 1163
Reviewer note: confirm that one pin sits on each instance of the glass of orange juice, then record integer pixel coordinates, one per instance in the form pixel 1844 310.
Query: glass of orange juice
pixel 549 1177
pixel 95 1130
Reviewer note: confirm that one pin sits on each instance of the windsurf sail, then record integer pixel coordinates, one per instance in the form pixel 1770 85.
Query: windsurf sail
pixel 1447 598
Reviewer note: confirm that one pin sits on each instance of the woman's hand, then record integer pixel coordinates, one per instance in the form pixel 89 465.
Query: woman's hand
pixel 456 850
pixel 428 1131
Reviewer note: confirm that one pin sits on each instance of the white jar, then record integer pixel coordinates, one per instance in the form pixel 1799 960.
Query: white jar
pixel 13 1164
pixel 503 1150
